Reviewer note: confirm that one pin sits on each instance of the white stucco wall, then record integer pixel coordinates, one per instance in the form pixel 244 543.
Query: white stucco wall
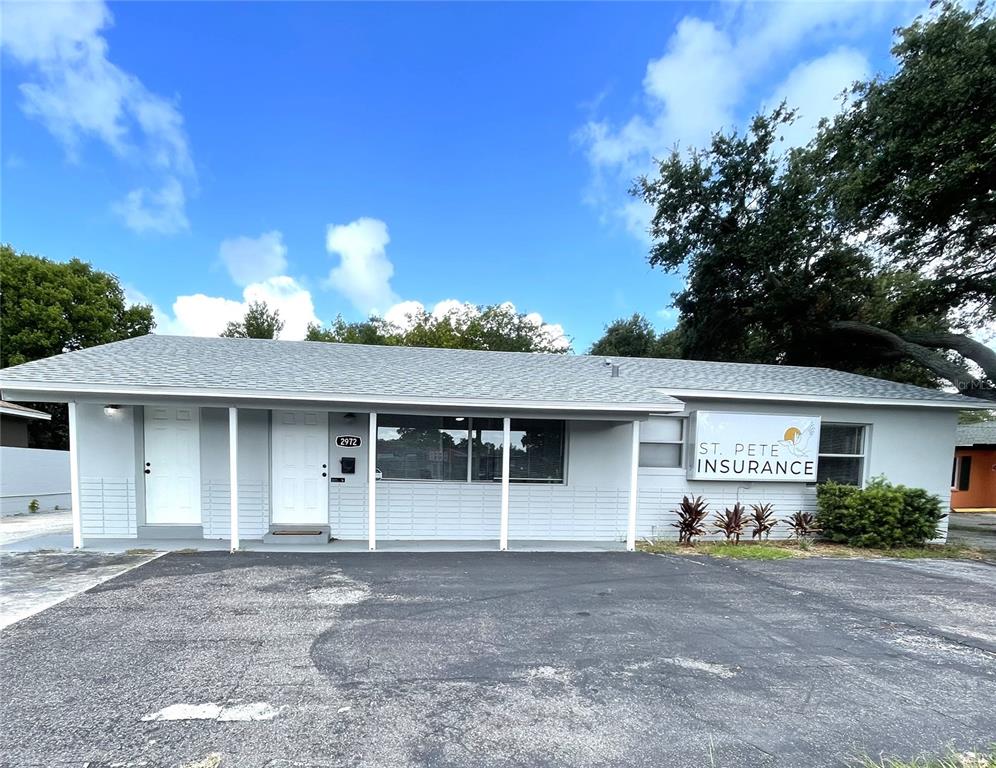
pixel 107 471
pixel 909 446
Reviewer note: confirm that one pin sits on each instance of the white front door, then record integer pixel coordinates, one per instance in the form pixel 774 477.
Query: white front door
pixel 172 466
pixel 300 467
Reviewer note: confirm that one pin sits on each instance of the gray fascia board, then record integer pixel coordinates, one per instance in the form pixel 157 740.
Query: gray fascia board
pixel 39 392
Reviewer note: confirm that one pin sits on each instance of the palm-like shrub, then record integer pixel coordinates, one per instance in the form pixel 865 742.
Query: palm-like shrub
pixel 801 525
pixel 691 516
pixel 762 520
pixel 731 522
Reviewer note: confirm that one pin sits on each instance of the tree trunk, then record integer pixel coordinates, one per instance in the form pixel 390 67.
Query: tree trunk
pixel 920 347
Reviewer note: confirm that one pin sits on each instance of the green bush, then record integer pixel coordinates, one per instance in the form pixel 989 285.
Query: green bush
pixel 879 515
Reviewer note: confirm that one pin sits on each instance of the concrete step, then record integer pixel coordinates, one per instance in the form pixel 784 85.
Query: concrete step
pixel 298 534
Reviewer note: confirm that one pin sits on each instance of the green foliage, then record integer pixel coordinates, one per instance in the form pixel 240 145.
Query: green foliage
pixel 691 516
pixel 976 417
pixel 635 337
pixel 259 323
pixel 868 250
pixel 33 506
pixel 49 307
pixel 731 522
pixel 911 158
pixel 496 327
pixel 762 520
pixel 880 515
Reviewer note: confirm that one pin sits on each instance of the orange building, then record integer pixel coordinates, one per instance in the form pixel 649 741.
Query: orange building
pixel 973 477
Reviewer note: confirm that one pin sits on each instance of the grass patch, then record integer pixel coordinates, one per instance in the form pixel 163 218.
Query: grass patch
pixel 742 551
pixel 952 760
pixel 782 550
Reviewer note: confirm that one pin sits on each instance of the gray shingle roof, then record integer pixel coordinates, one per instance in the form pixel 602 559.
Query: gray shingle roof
pixel 976 434
pixel 338 371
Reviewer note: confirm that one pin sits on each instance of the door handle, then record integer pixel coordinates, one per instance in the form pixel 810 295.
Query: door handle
pixel 148 471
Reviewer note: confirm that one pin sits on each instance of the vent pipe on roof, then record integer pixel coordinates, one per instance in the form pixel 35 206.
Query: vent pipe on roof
pixel 615 370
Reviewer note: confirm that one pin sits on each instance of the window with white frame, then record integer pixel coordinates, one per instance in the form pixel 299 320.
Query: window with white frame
pixel 842 454
pixel 961 473
pixel 662 443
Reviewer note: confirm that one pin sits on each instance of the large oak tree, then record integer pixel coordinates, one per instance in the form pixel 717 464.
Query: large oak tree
pixel 873 248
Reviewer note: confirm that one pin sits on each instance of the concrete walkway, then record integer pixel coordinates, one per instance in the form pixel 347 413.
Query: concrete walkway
pixel 973 529
pixel 57 526
pixel 38 568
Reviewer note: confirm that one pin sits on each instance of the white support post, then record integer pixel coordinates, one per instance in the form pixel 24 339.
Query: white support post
pixel 506 455
pixel 74 478
pixel 233 473
pixel 634 474
pixel 372 483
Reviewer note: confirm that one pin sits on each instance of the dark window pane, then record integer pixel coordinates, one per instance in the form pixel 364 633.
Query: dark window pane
pixel 964 473
pixel 537 450
pixel 842 438
pixel 422 447
pixel 840 469
pixel 485 451
pixel 660 454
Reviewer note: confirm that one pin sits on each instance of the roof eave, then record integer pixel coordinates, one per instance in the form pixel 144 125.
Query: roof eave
pixel 42 391
pixel 968 404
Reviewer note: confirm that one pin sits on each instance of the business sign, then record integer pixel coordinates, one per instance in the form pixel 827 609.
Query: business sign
pixel 348 441
pixel 754 446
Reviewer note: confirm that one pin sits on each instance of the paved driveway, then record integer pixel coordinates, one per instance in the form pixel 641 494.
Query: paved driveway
pixel 290 661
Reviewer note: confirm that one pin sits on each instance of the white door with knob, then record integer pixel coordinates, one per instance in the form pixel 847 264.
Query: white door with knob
pixel 300 467
pixel 172 466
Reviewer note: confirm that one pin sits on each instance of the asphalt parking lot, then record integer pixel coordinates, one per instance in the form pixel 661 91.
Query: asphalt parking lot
pixel 481 659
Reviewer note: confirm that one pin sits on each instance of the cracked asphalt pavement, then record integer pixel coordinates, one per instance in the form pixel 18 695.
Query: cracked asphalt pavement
pixel 290 660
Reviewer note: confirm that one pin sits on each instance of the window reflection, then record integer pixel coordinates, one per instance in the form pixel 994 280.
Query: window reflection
pixel 436 448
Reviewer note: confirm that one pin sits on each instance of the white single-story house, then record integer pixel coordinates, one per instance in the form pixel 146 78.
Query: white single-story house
pixel 246 439
pixel 29 476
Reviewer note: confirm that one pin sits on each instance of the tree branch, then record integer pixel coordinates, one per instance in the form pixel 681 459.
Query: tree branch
pixel 965 383
pixel 976 351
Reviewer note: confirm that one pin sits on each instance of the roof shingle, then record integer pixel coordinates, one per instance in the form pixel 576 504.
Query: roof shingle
pixel 338 371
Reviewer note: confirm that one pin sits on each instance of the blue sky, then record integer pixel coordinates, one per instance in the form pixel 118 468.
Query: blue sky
pixel 340 158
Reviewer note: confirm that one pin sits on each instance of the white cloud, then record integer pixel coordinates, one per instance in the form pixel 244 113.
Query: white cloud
pixel 201 315
pixel 77 93
pixel 161 211
pixel 705 82
pixel 255 265
pixel 364 272
pixel 251 259
pixel 813 89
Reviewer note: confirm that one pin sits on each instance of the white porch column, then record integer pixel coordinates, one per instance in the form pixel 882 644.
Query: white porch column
pixel 372 483
pixel 233 474
pixel 74 478
pixel 506 451
pixel 634 474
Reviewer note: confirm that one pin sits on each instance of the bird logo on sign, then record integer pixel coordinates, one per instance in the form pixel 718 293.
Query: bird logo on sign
pixel 796 440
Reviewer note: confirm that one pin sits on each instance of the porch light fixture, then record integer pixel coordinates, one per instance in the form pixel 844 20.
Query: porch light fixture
pixel 459 418
pixel 349 417
pixel 111 410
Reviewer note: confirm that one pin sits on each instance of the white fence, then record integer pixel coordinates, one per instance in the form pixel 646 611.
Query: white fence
pixel 33 473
